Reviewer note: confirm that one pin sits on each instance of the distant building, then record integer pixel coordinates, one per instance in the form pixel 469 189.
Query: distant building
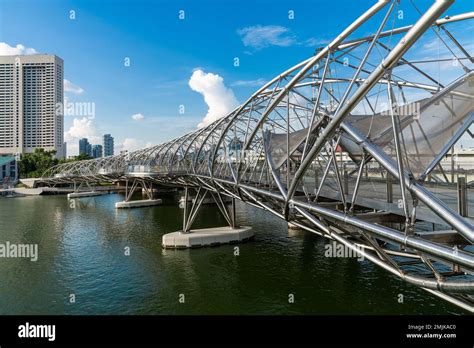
pixel 235 149
pixel 463 159
pixel 96 151
pixel 31 89
pixel 85 147
pixel 8 170
pixel 235 145
pixel 108 145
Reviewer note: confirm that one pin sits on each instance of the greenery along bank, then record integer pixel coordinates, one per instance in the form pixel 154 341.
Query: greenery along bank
pixel 32 165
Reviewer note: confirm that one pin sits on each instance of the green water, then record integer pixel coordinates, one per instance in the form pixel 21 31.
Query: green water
pixel 82 252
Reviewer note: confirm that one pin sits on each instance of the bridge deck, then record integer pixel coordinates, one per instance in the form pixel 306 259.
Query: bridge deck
pixel 373 194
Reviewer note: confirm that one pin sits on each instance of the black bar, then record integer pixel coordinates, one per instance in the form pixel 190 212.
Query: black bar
pixel 194 330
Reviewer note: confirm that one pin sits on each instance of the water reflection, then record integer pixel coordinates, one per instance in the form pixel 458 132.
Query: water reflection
pixel 82 252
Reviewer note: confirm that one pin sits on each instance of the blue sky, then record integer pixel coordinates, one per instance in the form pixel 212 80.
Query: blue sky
pixel 164 51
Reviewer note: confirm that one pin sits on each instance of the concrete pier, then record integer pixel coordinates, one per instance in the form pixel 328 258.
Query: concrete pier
pixel 207 237
pixel 85 194
pixel 138 203
pixel 294 227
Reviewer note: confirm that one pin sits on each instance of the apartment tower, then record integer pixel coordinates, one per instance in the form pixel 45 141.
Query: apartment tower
pixel 31 99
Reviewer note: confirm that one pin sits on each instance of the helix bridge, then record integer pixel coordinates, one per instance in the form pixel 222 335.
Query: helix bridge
pixel 347 144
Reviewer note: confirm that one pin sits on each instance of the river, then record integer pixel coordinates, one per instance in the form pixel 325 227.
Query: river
pixel 83 266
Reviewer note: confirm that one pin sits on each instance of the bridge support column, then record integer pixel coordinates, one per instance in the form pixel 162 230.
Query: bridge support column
pixel 91 192
pixel 233 216
pixel 195 238
pixel 128 203
pixel 185 210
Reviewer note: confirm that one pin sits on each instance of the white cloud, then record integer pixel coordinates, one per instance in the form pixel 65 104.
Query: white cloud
pixel 313 42
pixel 72 88
pixel 249 83
pixel 259 36
pixel 220 99
pixel 132 144
pixel 81 128
pixel 138 117
pixel 7 50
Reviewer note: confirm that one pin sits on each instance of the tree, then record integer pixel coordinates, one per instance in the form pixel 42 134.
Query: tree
pixel 81 157
pixel 34 164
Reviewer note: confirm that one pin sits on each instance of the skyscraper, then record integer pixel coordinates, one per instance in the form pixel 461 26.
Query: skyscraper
pixel 31 88
pixel 108 145
pixel 96 151
pixel 85 147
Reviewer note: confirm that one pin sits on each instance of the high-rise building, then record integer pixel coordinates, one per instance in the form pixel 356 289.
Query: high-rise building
pixel 96 151
pixel 8 170
pixel 85 147
pixel 31 99
pixel 108 145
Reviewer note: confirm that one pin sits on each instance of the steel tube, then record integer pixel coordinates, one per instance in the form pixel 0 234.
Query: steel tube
pixel 459 286
pixel 349 30
pixel 398 51
pixel 425 196
pixel 457 256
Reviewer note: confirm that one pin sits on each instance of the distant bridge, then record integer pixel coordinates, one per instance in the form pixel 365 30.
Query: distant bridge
pixel 346 144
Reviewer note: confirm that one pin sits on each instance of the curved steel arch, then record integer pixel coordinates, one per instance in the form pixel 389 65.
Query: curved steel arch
pixel 277 151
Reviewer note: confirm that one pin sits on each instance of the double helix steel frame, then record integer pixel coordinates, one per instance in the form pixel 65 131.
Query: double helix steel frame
pixel 279 150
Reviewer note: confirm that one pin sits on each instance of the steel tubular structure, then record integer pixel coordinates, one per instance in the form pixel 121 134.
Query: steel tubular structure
pixel 321 145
